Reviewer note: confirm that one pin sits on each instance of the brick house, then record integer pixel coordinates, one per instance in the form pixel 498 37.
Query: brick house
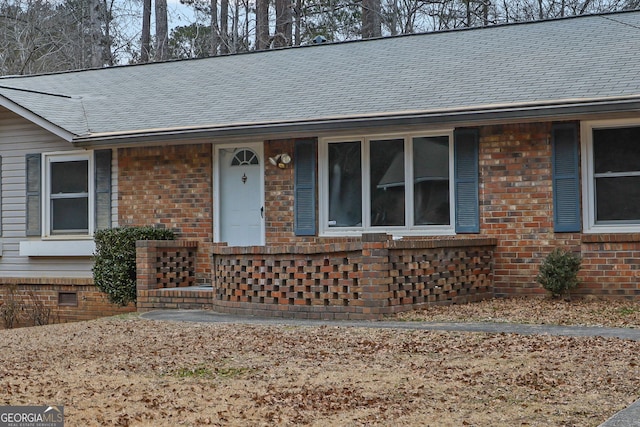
pixel 342 180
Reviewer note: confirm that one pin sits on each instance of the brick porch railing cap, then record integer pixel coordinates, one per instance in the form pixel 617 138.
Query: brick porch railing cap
pixel 427 243
pixel 375 237
pixel 443 243
pixel 166 243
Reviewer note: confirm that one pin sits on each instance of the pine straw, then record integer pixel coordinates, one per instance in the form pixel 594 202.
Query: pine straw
pixel 583 312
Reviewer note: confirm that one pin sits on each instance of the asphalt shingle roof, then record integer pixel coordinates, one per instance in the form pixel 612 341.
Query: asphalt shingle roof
pixel 582 58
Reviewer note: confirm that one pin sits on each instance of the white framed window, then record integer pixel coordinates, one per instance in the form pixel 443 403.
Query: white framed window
pixel 398 183
pixel 68 202
pixel 611 176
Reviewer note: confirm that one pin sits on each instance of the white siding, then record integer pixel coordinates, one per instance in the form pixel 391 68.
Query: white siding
pixel 18 138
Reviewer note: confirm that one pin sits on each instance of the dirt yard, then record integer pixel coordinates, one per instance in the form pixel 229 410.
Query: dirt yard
pixel 128 371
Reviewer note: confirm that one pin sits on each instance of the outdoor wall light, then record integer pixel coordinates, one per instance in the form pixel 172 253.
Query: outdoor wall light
pixel 281 160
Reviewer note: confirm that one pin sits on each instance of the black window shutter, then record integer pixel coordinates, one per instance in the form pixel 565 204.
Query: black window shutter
pixel 566 179
pixel 34 187
pixel 102 160
pixel 305 187
pixel 467 207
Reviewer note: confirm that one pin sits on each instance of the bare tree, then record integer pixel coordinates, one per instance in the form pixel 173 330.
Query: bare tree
pixel 162 31
pixel 297 36
pixel 224 27
pixel 234 29
pixel 95 13
pixel 284 26
pixel 215 30
pixel 145 41
pixel 262 24
pixel 371 24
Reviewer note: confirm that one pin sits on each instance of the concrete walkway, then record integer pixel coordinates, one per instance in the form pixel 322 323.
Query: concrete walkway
pixel 206 316
pixel 629 417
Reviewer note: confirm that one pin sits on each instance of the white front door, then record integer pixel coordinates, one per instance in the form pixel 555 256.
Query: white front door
pixel 240 189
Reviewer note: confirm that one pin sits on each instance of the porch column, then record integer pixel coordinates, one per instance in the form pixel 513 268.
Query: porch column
pixel 375 279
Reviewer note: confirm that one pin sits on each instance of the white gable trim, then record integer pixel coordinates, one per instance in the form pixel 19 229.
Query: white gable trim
pixel 36 119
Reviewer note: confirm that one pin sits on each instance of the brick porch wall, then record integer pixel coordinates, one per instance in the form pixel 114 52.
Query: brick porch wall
pixel 165 276
pixel 91 303
pixel 351 280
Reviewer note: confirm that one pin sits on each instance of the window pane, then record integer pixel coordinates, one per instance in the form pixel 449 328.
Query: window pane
pixel 387 182
pixel 431 180
pixel 618 199
pixel 70 215
pixel 69 177
pixel 345 184
pixel 616 150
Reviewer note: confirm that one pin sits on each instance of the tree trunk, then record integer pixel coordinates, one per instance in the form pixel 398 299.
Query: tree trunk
pixel 468 13
pixel 234 29
pixel 371 26
pixel 297 37
pixel 262 24
pixel 245 36
pixel 540 10
pixel 107 46
pixel 284 25
pixel 224 27
pixel 95 30
pixel 215 30
pixel 145 41
pixel 162 31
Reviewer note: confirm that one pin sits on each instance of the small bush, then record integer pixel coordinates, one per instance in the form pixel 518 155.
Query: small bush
pixel 114 271
pixel 11 308
pixel 38 313
pixel 559 272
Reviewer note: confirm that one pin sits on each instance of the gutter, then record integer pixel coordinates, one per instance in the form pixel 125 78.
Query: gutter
pixel 489 114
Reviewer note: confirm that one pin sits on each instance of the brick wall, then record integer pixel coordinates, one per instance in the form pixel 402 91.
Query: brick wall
pixel 89 304
pixel 170 186
pixel 278 190
pixel 516 208
pixel 611 265
pixel 516 201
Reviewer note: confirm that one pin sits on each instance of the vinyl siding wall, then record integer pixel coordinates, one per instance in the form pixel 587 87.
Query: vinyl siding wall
pixel 19 137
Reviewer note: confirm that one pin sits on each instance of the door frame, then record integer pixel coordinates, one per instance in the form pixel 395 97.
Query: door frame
pixel 258 148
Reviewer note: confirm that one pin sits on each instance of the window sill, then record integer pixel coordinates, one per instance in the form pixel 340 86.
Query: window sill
pixel 397 234
pixel 611 238
pixel 57 248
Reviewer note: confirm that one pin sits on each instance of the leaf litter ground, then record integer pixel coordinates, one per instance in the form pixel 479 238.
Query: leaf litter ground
pixel 128 371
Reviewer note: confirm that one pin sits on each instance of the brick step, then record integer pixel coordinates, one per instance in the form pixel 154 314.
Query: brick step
pixel 190 297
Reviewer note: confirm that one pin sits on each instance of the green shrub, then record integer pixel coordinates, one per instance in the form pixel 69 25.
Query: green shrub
pixel 114 270
pixel 559 272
